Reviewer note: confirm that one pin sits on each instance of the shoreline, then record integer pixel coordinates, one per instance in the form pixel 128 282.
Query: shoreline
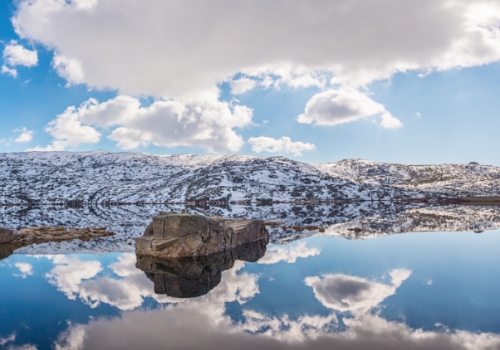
pixel 492 200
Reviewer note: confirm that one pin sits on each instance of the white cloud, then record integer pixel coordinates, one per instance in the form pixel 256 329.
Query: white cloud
pixel 69 273
pixel 68 131
pixel 7 339
pixel 351 293
pixel 25 269
pixel 345 105
pixel 164 123
pixel 79 279
pixel 418 115
pixel 6 142
pixel 10 71
pixel 285 145
pixel 16 55
pixel 25 136
pixel 152 53
pixel 209 325
pixel 288 254
pixel 72 339
pixel 242 85
pixel 69 69
pixel 147 51
pixel 22 347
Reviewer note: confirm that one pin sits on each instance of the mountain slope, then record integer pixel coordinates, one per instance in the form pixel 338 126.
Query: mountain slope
pixel 132 177
pixel 59 177
pixel 453 180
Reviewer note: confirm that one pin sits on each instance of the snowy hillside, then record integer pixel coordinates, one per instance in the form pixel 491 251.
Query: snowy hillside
pixel 101 177
pixel 447 179
pixel 58 177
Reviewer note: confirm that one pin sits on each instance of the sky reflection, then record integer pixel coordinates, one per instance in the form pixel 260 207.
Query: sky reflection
pixel 322 292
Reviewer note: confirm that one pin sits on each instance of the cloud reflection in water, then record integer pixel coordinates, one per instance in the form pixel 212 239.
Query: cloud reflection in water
pixel 204 322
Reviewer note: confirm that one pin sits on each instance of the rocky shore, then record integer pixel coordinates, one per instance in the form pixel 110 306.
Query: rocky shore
pixel 45 234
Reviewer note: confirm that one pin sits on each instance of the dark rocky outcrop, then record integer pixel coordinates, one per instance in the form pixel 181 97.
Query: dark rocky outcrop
pixel 196 276
pixel 172 235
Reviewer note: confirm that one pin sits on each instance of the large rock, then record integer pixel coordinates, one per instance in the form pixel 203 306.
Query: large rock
pixel 172 235
pixel 196 276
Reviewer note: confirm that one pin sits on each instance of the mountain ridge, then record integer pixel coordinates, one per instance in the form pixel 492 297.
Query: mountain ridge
pixel 126 177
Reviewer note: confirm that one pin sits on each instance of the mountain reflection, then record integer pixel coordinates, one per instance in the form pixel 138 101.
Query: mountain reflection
pixel 194 277
pixel 292 222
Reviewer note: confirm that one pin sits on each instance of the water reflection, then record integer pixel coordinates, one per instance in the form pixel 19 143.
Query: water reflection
pixel 349 220
pixel 320 293
pixel 193 277
pixel 6 250
pixel 351 293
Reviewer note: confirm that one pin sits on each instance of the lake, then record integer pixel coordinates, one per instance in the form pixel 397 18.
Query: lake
pixel 391 286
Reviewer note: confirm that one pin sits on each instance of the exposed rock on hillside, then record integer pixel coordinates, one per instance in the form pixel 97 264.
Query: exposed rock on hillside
pixel 172 235
pixel 103 177
pixel 193 277
pixel 447 180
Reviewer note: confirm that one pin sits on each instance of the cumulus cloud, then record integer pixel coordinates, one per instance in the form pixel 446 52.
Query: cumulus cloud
pixel 68 131
pixel 9 71
pixel 333 107
pixel 7 339
pixel 16 55
pixel 208 330
pixel 356 42
pixel 25 269
pixel 25 136
pixel 69 69
pixel 209 325
pixel 317 43
pixel 22 347
pixel 350 293
pixel 284 145
pixel 6 142
pixel 288 254
pixel 79 279
pixel 71 339
pixel 207 124
pixel 69 273
pixel 242 85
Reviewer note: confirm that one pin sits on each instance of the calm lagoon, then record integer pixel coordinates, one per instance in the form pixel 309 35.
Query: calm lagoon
pixel 418 290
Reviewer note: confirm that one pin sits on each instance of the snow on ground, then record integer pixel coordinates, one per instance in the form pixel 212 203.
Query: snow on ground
pixel 373 218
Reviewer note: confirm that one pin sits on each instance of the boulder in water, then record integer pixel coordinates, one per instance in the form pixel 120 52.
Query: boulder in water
pixel 173 235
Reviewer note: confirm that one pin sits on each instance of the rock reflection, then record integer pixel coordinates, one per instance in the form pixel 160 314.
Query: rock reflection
pixel 194 277
pixel 6 250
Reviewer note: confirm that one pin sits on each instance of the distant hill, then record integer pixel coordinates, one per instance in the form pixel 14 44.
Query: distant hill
pixel 101 177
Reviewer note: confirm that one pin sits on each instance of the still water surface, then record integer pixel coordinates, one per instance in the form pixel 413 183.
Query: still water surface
pixel 437 290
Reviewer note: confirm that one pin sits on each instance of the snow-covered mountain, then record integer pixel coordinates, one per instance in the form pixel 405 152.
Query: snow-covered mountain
pixel 444 179
pixel 133 177
pixel 91 181
pixel 59 177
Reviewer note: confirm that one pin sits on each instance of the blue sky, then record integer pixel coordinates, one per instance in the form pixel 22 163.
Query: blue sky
pixel 442 106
